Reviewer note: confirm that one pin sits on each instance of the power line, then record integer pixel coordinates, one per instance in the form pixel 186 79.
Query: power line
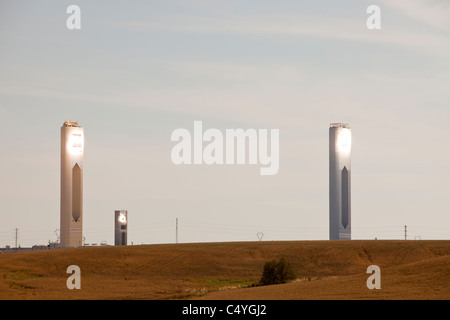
pixel 231 230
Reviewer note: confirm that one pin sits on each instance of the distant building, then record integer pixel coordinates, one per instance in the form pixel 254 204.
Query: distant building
pixel 120 227
pixel 340 140
pixel 8 249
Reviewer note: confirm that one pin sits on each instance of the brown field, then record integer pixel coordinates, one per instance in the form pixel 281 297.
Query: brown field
pixel 325 269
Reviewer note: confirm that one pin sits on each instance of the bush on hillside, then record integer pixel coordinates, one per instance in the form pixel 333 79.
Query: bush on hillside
pixel 276 272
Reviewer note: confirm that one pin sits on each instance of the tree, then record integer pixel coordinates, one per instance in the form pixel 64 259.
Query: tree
pixel 277 272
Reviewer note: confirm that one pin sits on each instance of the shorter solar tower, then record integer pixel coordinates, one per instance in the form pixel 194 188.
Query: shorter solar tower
pixel 120 227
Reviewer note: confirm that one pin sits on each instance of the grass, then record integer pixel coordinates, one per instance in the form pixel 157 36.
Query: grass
pixel 325 270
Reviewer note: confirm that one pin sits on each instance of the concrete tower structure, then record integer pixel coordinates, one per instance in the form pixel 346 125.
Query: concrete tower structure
pixel 120 227
pixel 72 158
pixel 340 189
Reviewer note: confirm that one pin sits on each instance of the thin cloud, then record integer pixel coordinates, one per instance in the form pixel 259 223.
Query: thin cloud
pixel 432 13
pixel 300 25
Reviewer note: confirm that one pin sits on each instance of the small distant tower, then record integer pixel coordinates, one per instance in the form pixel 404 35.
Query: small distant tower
pixel 340 173
pixel 72 165
pixel 120 227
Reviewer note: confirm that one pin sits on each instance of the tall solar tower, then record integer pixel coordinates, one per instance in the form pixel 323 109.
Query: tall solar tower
pixel 120 227
pixel 340 189
pixel 72 156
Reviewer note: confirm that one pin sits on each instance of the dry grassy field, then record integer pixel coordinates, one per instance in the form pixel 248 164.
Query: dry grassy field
pixel 325 270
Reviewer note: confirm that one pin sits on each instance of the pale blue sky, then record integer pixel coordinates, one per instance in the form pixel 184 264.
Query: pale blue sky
pixel 135 72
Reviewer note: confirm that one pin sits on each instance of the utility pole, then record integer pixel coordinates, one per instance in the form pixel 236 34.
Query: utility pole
pixel 260 235
pixel 176 231
pixel 57 235
pixel 405 232
pixel 17 231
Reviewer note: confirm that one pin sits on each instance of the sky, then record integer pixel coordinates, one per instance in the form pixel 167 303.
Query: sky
pixel 136 71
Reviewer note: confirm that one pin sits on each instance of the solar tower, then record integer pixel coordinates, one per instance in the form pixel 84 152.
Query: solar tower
pixel 72 158
pixel 340 176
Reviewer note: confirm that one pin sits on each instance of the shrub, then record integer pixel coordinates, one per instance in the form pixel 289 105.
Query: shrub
pixel 277 272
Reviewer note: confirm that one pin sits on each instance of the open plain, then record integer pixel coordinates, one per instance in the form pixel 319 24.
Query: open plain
pixel 325 270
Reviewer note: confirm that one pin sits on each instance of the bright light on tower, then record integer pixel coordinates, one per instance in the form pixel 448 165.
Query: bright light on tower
pixel 76 143
pixel 122 218
pixel 344 141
